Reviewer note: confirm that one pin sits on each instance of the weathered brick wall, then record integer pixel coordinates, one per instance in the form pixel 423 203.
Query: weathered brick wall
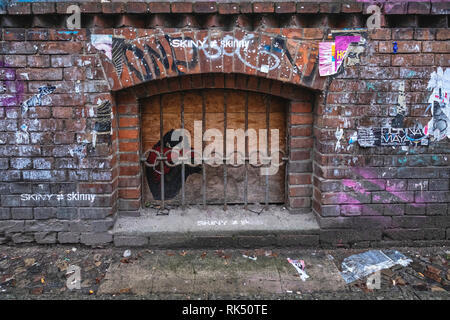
pixel 360 195
pixel 390 193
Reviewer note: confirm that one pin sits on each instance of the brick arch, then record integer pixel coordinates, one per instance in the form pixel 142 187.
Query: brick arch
pixel 299 124
pixel 145 55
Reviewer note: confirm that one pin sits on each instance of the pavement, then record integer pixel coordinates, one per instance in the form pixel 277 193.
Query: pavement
pixel 42 272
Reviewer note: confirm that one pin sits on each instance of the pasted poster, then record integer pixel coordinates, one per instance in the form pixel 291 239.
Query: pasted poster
pixel 439 126
pixel 387 136
pixel 332 54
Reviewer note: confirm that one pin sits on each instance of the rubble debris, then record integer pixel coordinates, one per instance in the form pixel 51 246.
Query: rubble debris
pixel 299 265
pixel 127 253
pixel 361 265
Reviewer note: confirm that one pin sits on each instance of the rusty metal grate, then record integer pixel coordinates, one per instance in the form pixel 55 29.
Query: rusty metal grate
pixel 162 158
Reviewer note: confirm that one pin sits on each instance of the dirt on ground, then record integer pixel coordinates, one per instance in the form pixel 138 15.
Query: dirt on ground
pixel 46 272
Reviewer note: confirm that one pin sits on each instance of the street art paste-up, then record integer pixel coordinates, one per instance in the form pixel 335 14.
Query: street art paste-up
pixel 103 42
pixel 172 172
pixel 347 45
pixel 36 100
pixel 388 136
pixel 439 126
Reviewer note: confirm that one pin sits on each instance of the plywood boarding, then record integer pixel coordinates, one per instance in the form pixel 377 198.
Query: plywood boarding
pixel 215 101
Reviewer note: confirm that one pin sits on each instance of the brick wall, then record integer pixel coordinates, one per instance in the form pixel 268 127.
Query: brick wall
pixel 359 195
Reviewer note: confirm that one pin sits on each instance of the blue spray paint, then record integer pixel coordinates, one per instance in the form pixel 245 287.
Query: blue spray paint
pixel 395 48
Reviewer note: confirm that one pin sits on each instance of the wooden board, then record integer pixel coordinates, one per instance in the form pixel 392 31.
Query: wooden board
pixel 215 102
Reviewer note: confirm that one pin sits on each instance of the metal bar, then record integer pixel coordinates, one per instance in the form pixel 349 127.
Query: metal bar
pixel 183 173
pixel 203 147
pixel 246 154
pixel 161 135
pixel 225 151
pixel 266 207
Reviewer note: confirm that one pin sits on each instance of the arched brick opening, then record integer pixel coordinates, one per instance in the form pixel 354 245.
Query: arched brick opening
pixel 299 127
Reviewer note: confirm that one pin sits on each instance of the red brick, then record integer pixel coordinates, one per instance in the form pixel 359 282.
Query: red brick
pixel 301 107
pixel 263 7
pixel 129 157
pixel 43 8
pixel 351 7
pixel 436 46
pixel 62 112
pixel 300 179
pixel 128 122
pixel 181 7
pixel 402 34
pixel 61 47
pixel 380 34
pixel 300 155
pixel 19 8
pixel 205 7
pixel 443 34
pixel 313 33
pixel 307 7
pixel 90 7
pixel 38 61
pixel 302 142
pixel 245 7
pixel 129 170
pixel 129 193
pixel 13 34
pixel 419 8
pixel 113 7
pixel 159 7
pixel 301 131
pixel 424 34
pixel 440 8
pixel 395 8
pixel 39 74
pixel 128 146
pixel 330 7
pixel 136 7
pixel 228 8
pixel 128 134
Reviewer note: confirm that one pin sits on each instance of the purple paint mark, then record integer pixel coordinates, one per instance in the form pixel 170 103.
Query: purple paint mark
pixel 14 88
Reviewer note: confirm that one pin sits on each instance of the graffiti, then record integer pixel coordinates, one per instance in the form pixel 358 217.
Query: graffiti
pixel 394 47
pixel 78 151
pixel 103 119
pixel 387 136
pixel 338 134
pixel 344 50
pixel 172 172
pixel 273 61
pixel 103 42
pixel 439 126
pixel 36 100
pixel 161 55
pixel 58 196
pixel 397 122
pixel 118 47
pixel 16 87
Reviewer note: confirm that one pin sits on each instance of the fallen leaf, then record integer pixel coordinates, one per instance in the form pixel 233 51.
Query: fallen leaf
pixel 98 263
pixel 170 253
pixel 126 290
pixel 37 291
pixel 43 280
pixel 183 253
pixel 29 262
pixel 203 255
pixel 125 260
